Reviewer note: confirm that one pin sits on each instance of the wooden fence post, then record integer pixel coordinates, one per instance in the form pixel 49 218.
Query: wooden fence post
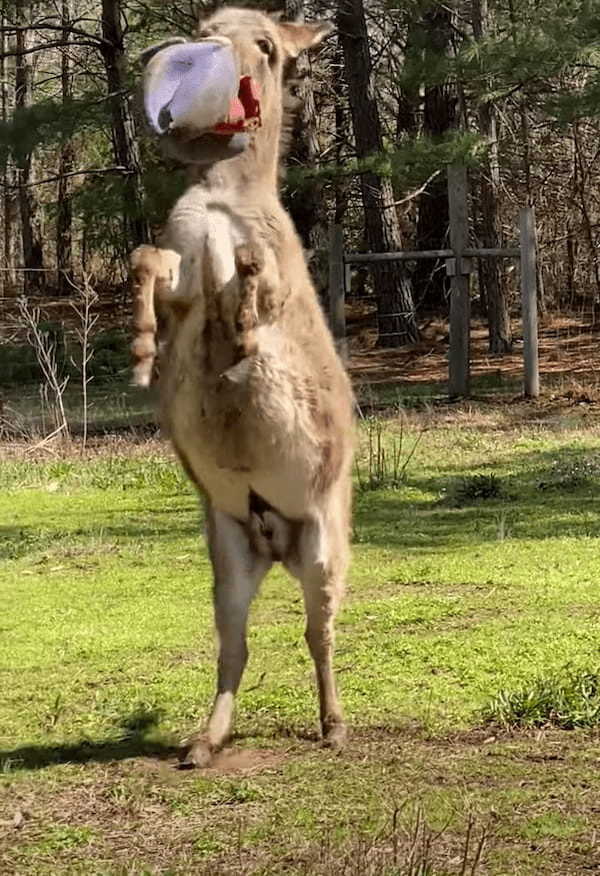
pixel 460 299
pixel 529 302
pixel 337 312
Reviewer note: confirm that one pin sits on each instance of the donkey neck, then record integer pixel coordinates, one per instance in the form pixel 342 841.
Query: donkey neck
pixel 256 167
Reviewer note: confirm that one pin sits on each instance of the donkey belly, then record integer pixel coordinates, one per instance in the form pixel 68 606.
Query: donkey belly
pixel 283 479
pixel 227 489
pixel 229 453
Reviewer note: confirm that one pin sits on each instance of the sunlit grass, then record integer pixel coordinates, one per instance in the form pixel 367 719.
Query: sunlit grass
pixel 456 613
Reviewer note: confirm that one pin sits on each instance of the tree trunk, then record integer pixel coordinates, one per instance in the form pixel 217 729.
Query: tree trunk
pixel 341 184
pixel 135 226
pixel 9 194
pixel 305 202
pixel 586 214
pixel 526 154
pixel 439 117
pixel 491 278
pixel 396 313
pixel 64 218
pixel 31 228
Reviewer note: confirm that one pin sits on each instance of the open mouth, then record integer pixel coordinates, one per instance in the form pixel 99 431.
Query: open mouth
pixel 244 110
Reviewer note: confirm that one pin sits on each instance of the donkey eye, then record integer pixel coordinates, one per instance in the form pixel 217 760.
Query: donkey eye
pixel 266 47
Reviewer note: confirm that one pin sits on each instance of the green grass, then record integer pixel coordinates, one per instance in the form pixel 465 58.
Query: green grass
pixel 112 406
pixel 458 613
pixel 568 699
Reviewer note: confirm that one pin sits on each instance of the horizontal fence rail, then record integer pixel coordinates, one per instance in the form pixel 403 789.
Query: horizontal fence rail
pixel 358 258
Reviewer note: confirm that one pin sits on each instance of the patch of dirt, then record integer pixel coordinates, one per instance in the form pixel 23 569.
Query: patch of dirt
pixel 137 816
pixel 568 347
pixel 232 761
pixel 228 762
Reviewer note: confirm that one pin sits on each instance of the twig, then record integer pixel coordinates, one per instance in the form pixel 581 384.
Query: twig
pixel 54 44
pixel 465 860
pixel 87 321
pixel 39 182
pixel 479 850
pixel 37 26
pixel 47 439
pixel 414 194
pixel 258 683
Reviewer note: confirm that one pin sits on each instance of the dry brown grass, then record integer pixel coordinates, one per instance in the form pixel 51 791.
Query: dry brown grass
pixel 569 347
pixel 129 445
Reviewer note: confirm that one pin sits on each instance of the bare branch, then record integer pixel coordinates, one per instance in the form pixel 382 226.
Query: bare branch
pixel 59 27
pixel 416 192
pixel 90 172
pixel 56 44
pixel 45 352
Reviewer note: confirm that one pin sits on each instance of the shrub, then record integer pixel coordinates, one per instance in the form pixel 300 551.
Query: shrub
pixel 572 474
pixel 383 462
pixel 473 488
pixel 567 699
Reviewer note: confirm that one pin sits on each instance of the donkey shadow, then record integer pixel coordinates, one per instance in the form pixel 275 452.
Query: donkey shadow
pixel 133 742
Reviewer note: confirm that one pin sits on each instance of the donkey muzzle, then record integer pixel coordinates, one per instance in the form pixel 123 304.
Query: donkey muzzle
pixel 192 89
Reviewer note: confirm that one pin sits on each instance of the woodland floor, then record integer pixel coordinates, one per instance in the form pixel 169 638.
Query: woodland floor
pixel 468 652
pixel 569 353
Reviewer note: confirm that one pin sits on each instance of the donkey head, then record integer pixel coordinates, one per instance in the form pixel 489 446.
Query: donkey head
pixel 210 99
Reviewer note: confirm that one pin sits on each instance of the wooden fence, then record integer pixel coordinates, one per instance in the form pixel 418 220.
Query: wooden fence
pixel 459 268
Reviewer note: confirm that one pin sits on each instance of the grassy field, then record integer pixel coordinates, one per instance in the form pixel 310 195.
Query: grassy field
pixel 468 660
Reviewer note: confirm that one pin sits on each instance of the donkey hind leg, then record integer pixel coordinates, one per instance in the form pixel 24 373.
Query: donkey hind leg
pixel 238 571
pixel 322 560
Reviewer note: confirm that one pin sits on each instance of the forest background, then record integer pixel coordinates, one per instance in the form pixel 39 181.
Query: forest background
pixel 398 91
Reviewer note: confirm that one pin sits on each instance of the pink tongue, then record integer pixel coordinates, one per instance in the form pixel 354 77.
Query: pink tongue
pixel 236 111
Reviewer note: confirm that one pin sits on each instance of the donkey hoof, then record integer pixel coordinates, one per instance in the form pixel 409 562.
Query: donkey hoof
pixel 196 754
pixel 335 737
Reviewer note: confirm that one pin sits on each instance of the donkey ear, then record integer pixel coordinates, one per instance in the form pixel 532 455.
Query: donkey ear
pixel 298 38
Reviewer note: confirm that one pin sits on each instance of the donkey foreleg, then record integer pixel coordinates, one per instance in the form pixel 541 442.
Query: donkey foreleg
pixel 154 274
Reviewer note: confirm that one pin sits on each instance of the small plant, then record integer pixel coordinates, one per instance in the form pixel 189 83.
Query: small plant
pixel 566 700
pixel 473 488
pixel 387 456
pixel 87 321
pixel 61 837
pixel 408 846
pixel 572 474
pixel 44 347
pixel 231 792
pixel 502 530
pixel 54 713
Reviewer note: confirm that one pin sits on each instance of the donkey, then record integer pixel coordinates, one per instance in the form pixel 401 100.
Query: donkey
pixel 253 395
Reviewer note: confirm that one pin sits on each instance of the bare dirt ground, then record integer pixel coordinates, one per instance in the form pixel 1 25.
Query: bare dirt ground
pixel 569 347
pixel 568 350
